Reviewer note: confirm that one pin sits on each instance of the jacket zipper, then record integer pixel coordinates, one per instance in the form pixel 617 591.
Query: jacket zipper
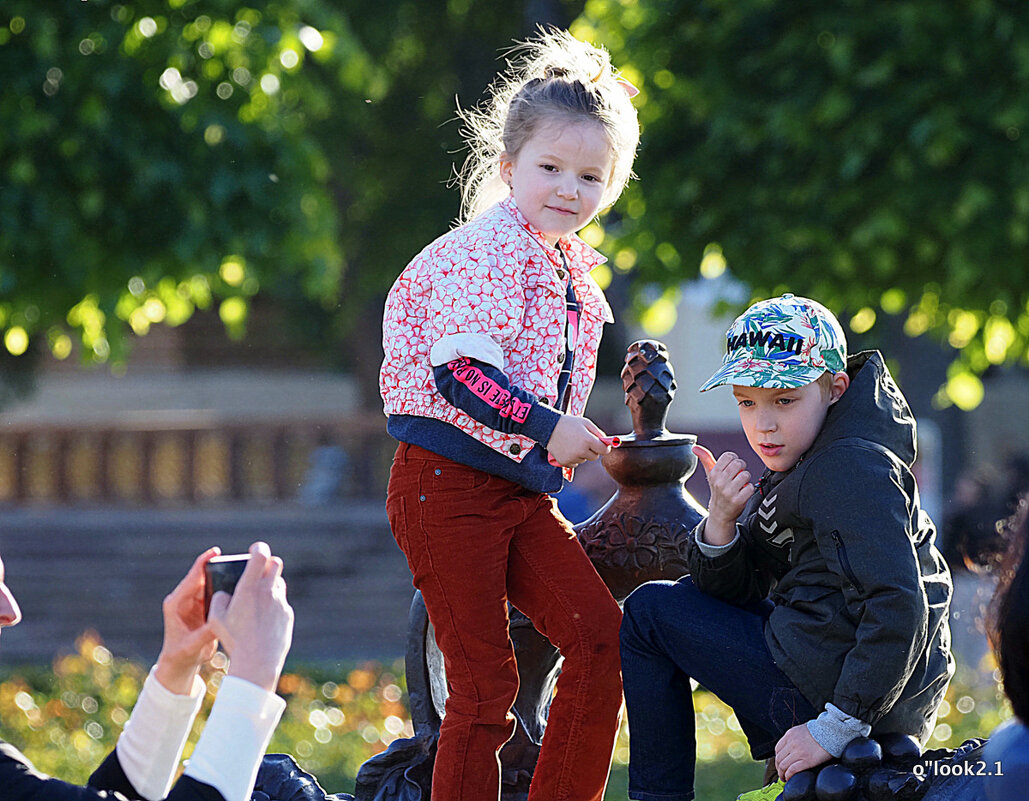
pixel 841 553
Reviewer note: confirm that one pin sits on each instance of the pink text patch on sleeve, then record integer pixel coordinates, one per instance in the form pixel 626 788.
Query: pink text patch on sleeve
pixel 489 391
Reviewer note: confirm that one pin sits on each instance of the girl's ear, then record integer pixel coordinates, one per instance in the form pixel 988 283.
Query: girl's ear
pixel 506 167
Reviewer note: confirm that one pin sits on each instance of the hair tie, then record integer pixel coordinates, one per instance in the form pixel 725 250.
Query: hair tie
pixel 630 90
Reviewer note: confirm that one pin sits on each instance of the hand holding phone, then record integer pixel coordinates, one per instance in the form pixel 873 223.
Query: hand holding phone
pixel 255 625
pixel 221 573
pixel 188 641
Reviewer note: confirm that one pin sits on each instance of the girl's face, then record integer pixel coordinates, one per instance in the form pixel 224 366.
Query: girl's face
pixel 559 176
pixel 10 614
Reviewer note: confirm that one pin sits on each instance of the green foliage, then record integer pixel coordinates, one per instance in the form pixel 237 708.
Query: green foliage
pixel 165 155
pixel 874 156
pixel 393 142
pixel 154 160
pixel 336 719
pixel 67 719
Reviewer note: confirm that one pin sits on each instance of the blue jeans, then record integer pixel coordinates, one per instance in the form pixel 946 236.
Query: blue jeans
pixel 672 632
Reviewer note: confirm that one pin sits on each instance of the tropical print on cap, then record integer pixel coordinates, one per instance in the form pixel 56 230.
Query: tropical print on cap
pixel 781 343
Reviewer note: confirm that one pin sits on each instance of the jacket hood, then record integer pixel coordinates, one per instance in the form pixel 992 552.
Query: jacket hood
pixel 873 408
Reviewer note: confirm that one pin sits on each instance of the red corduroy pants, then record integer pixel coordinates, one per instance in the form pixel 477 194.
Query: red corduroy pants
pixel 475 541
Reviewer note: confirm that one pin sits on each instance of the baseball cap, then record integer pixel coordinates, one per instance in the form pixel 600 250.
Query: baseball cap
pixel 781 343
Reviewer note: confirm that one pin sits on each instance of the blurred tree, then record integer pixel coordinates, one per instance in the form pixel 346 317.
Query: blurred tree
pixel 389 130
pixel 868 154
pixel 164 155
pixel 153 161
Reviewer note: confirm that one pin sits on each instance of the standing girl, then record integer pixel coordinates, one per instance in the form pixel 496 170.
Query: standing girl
pixel 491 336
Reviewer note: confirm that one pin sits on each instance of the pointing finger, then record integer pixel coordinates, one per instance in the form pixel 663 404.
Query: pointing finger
pixel 707 459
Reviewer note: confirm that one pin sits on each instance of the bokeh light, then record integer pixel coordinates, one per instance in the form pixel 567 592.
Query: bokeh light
pixel 311 38
pixel 965 390
pixel 893 301
pixel 233 271
pixel 998 335
pixel 61 347
pixel 964 325
pixel 233 311
pixel 270 84
pixel 660 317
pixel 602 275
pixel 713 264
pixel 625 260
pixel 16 340
pixel 592 234
pixel 863 320
pixel 214 133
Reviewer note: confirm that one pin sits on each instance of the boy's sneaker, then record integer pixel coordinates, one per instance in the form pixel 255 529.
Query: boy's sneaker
pixel 768 793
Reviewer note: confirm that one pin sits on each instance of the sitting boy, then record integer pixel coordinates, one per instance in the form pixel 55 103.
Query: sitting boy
pixel 817 603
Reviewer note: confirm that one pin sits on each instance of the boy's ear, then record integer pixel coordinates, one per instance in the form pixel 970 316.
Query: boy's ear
pixel 840 383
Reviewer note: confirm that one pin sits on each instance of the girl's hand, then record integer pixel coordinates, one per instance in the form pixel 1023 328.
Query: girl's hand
pixel 255 623
pixel 576 440
pixel 797 750
pixel 730 490
pixel 188 640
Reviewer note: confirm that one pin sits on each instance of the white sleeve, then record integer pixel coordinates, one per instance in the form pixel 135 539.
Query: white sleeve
pixel 474 346
pixel 235 738
pixel 151 744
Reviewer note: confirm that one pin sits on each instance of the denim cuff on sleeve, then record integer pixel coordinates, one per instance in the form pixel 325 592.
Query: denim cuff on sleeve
pixel 834 728
pixel 540 424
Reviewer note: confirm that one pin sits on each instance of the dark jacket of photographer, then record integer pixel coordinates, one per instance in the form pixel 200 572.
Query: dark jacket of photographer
pixel 19 781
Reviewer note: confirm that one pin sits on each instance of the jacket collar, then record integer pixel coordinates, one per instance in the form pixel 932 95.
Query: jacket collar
pixel 579 253
pixel 873 408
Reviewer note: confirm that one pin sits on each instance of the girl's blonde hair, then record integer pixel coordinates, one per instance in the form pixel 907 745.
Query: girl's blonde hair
pixel 553 75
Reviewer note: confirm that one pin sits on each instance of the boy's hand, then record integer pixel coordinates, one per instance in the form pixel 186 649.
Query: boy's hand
pixel 730 490
pixel 797 751
pixel 576 440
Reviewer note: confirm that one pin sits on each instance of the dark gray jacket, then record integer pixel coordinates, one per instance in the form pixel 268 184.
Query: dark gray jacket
pixel 842 548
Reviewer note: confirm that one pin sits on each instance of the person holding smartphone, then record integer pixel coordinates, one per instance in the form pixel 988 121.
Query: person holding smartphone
pixel 255 628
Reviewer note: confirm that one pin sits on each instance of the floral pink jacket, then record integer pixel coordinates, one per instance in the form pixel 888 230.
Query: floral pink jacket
pixel 493 290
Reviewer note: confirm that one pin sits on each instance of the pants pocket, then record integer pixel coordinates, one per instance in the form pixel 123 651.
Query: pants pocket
pixel 399 524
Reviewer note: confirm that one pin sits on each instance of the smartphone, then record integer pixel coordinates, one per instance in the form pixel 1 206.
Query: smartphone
pixel 221 574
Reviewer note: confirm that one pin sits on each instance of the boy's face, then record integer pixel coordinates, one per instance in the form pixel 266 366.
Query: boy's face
pixel 781 424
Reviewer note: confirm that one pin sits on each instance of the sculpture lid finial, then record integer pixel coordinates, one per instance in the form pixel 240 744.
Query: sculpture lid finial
pixel 649 384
